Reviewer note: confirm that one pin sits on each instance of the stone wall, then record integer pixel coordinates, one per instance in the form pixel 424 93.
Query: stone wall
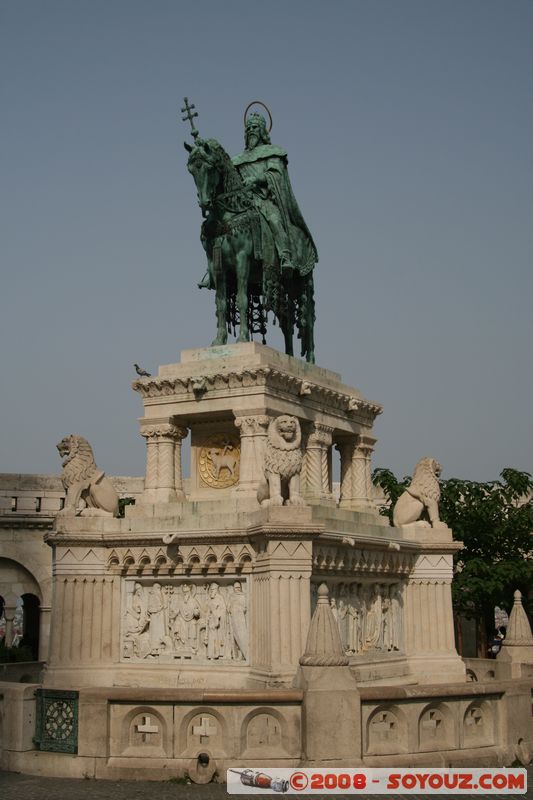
pixel 159 733
pixel 28 507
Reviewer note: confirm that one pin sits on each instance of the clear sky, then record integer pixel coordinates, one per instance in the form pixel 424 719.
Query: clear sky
pixel 409 128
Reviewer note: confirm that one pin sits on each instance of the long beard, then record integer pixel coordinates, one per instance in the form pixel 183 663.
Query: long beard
pixel 252 140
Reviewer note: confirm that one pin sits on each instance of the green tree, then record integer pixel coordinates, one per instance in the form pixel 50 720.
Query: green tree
pixel 494 520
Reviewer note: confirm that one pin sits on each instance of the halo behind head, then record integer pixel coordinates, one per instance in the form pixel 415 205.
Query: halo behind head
pixel 258 103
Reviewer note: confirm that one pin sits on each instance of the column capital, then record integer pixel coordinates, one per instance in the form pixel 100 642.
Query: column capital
pixel 252 424
pixel 365 444
pixel 165 430
pixel 320 436
pixel 345 446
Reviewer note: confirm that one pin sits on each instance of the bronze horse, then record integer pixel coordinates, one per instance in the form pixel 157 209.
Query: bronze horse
pixel 246 286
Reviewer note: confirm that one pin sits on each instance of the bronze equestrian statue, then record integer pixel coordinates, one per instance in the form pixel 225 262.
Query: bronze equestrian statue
pixel 260 253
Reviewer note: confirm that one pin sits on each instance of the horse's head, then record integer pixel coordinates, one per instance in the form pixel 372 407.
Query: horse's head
pixel 206 165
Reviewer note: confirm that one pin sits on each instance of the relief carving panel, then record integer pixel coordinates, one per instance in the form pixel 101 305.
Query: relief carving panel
pixel 193 621
pixel 219 461
pixel 369 616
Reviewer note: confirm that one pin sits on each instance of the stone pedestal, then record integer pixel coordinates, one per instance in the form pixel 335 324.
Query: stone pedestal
pixel 217 392
pixel 210 589
pixel 428 613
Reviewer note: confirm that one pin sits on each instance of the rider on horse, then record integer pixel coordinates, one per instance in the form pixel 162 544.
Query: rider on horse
pixel 260 253
pixel 263 168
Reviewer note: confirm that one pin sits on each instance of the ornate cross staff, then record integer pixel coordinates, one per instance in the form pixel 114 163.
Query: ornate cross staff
pixel 187 110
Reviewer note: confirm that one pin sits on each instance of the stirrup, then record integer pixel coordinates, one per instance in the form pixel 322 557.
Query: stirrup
pixel 206 282
pixel 286 263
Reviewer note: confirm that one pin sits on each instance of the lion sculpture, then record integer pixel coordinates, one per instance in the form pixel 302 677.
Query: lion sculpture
pixel 419 504
pixel 84 481
pixel 283 464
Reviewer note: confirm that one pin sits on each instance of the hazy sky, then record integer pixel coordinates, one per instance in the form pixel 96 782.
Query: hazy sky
pixel 409 130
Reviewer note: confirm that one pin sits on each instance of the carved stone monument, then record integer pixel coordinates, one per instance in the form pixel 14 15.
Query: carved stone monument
pixel 248 613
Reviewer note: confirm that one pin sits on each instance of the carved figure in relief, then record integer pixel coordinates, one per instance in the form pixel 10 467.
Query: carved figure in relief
pixel 136 620
pixel 84 481
pixel 356 620
pixel 283 463
pixel 237 621
pixel 396 616
pixel 190 621
pixel 216 629
pixel 369 616
pixel 158 639
pixel 342 621
pixel 184 617
pixel 419 504
pixel 223 459
pixel 374 618
pixel 386 624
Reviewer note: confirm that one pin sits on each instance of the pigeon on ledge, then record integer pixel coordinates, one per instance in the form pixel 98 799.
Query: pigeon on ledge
pixel 141 372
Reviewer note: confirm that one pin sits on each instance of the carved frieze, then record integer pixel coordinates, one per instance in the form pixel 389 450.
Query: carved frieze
pixel 355 560
pixel 200 622
pixel 261 376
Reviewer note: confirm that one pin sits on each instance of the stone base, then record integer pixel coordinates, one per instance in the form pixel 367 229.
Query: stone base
pixel 517 660
pixel 436 668
pixel 330 715
pixel 144 734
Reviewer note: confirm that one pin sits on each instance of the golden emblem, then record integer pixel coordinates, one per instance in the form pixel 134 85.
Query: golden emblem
pixel 219 461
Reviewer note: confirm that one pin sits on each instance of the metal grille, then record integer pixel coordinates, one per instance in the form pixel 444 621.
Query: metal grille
pixel 56 726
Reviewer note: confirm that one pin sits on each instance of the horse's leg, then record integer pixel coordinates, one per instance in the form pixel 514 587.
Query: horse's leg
pixel 243 256
pixel 287 328
pixel 310 319
pixel 221 301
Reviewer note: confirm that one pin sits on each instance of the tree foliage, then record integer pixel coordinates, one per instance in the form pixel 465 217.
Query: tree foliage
pixel 494 521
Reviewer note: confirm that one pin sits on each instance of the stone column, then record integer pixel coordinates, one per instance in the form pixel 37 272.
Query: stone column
pixel 163 482
pixel 181 434
pixel 9 614
pixel 361 473
pixel 44 632
pixel 150 480
pixel 253 431
pixel 317 462
pixel 346 449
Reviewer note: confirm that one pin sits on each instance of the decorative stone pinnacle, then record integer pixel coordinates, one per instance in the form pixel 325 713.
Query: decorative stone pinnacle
pixel 519 630
pixel 324 647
